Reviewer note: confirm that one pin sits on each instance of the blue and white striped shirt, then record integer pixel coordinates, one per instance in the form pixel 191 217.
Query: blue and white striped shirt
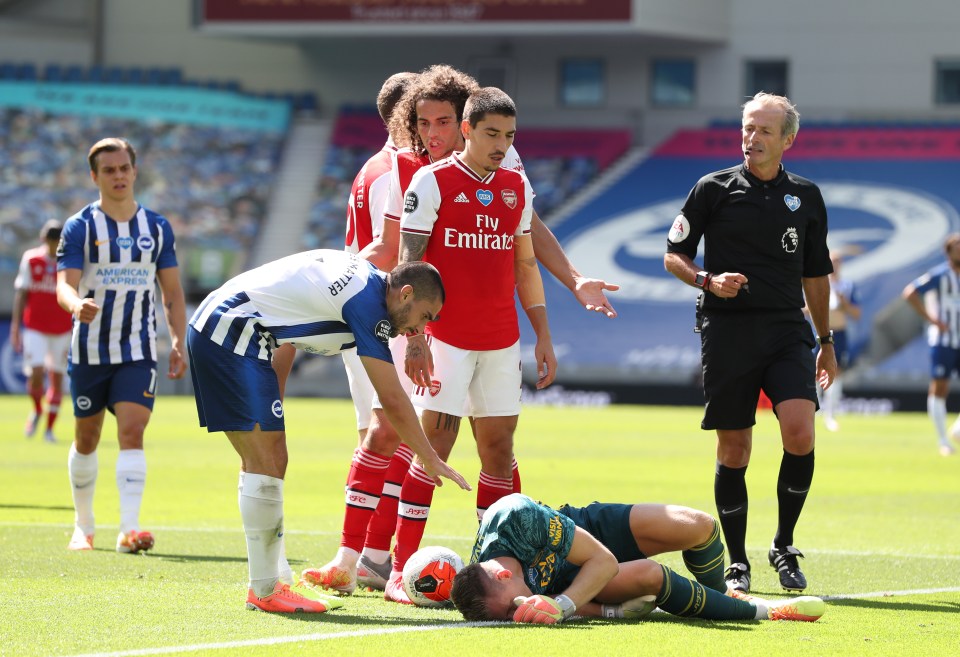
pixel 940 289
pixel 322 301
pixel 119 262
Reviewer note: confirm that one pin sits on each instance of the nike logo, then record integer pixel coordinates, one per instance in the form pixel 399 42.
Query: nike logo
pixel 798 492
pixel 131 481
pixel 99 242
pixel 727 512
pixel 80 487
pixel 148 395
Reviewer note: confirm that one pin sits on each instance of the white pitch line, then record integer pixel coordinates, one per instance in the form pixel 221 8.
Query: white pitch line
pixel 270 641
pixel 169 650
pixel 468 539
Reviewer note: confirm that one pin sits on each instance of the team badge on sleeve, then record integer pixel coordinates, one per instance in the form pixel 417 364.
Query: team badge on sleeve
pixel 410 202
pixel 509 197
pixel 679 230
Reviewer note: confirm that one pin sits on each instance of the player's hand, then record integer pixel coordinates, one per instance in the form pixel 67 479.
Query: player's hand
pixel 539 609
pixel 546 363
pixel 418 361
pixel 86 310
pixel 178 364
pixel 589 292
pixel 437 469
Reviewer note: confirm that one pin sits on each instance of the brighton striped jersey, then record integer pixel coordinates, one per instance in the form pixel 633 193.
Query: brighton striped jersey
pixel 321 301
pixel 940 289
pixel 119 262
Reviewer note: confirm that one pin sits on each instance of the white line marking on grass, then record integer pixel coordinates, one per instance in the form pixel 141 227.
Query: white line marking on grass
pixel 890 594
pixel 284 639
pixel 272 641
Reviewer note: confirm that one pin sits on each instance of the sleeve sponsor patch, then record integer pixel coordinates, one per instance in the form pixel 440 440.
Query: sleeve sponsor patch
pixel 679 230
pixel 383 330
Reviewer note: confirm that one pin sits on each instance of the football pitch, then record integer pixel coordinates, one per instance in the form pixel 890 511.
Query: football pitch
pixel 881 534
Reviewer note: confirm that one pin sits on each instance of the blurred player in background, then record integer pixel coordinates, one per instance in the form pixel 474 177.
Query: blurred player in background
pixel 532 564
pixel 844 308
pixel 45 339
pixel 935 296
pixel 242 341
pixel 112 255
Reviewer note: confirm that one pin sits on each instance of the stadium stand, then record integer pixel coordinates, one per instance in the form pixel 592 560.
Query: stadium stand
pixel 212 183
pixel 559 163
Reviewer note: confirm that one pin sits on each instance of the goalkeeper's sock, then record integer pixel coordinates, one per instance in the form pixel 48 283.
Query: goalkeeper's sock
pixel 705 561
pixel 684 597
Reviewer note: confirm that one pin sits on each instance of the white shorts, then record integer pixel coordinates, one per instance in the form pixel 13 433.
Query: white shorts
pixel 472 383
pixel 398 349
pixel 361 390
pixel 45 350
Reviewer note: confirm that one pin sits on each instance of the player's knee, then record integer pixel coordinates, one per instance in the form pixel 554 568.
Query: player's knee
pixel 381 438
pixel 648 577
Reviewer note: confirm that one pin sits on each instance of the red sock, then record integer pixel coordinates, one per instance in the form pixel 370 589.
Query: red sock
pixel 415 498
pixel 36 394
pixel 516 477
pixel 490 489
pixel 384 521
pixel 53 406
pixel 364 485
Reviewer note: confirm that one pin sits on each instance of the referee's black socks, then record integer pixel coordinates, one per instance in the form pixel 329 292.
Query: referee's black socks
pixel 793 484
pixel 730 494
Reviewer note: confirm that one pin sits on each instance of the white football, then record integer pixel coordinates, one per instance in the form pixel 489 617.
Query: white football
pixel 428 575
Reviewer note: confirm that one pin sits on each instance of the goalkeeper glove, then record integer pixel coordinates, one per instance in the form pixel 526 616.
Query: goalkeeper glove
pixel 543 610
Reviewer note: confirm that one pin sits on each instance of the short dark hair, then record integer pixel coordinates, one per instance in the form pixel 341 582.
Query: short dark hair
pixel 422 277
pixel 488 100
pixel 51 230
pixel 110 145
pixel 391 92
pixel 469 593
pixel 439 82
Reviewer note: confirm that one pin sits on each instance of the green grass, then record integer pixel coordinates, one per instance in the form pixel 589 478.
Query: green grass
pixel 883 516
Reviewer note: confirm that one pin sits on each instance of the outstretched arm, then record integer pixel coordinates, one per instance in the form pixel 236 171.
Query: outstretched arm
pixel 588 291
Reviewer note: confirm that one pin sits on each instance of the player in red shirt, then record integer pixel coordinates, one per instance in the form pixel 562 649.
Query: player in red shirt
pixel 428 116
pixel 45 338
pixel 470 218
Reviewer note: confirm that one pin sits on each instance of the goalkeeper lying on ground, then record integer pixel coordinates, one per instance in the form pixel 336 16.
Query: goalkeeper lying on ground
pixel 532 564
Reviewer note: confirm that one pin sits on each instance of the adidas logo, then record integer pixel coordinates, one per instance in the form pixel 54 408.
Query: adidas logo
pixel 461 198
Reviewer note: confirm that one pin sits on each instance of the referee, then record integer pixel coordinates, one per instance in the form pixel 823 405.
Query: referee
pixel 765 248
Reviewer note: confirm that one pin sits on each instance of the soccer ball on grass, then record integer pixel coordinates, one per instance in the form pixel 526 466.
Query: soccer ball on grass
pixel 428 575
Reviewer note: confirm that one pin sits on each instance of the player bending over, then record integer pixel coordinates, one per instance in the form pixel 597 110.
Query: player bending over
pixel 533 564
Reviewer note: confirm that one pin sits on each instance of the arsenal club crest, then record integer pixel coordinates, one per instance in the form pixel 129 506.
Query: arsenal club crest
pixel 509 197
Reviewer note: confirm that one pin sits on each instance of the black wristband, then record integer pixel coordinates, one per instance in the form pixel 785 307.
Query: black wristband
pixel 825 339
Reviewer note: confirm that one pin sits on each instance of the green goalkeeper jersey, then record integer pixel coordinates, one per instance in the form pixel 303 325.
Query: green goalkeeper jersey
pixel 534 534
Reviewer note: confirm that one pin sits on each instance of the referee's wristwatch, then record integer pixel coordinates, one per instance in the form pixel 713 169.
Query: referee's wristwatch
pixel 825 339
pixel 703 279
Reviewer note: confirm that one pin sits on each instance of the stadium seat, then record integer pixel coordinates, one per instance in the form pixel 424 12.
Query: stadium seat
pixel 74 73
pixel 26 72
pixel 8 71
pixel 53 73
pixel 136 75
pixel 113 75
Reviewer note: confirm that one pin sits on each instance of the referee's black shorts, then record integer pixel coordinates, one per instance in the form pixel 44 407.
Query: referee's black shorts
pixel 744 352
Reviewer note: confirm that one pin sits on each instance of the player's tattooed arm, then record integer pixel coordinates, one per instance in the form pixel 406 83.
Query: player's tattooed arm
pixel 412 247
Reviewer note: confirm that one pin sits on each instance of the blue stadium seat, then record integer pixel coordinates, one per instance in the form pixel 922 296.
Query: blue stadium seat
pixel 53 73
pixel 96 73
pixel 74 73
pixel 114 75
pixel 8 71
pixel 27 72
pixel 155 76
pixel 136 75
pixel 173 76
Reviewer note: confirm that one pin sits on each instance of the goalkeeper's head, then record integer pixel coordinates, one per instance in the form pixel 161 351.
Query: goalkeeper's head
pixel 485 591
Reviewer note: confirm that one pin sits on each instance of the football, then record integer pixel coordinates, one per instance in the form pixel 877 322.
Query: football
pixel 428 575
